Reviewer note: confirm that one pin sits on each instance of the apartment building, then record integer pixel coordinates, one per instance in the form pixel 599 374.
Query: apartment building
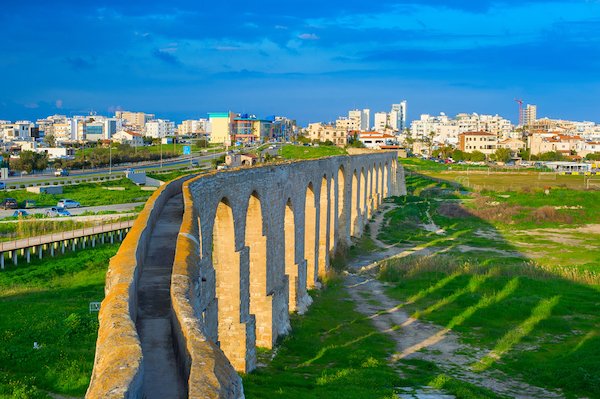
pixel 484 142
pixel 323 132
pixel 159 128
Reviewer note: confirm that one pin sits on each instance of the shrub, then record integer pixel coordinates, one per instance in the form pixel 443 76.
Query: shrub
pixel 453 210
pixel 550 214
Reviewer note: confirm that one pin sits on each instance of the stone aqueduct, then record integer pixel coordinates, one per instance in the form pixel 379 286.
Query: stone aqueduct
pixel 251 243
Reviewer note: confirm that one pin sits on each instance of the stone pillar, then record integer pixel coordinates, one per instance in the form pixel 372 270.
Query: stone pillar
pixel 28 255
pixel 2 260
pixel 40 251
pixel 14 257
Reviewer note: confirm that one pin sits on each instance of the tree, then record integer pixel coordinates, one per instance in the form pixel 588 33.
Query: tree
pixel 29 161
pixel 477 156
pixel 50 140
pixel 503 155
pixel 459 155
pixel 551 156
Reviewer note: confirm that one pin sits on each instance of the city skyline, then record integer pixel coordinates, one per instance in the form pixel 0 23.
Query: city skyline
pixel 183 61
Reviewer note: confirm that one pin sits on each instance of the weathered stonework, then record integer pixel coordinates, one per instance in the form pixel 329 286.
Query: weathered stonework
pixel 251 243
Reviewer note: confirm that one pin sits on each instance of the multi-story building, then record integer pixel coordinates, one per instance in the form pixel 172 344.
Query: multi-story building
pixel 136 120
pixel 381 122
pixel 323 132
pixel 221 127
pixel 398 116
pixel 529 115
pixel 445 130
pixel 159 128
pixel 357 120
pixel 484 142
pixel 248 129
pixel 547 142
pixel 192 127
pixel 376 140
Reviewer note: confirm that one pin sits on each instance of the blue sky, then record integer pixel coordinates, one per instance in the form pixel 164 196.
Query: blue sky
pixel 312 60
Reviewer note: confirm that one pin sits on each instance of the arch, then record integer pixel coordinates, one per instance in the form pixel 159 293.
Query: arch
pixel 331 203
pixel 323 246
pixel 341 202
pixel 261 302
pixel 353 203
pixel 291 268
pixel 310 236
pixel 362 199
pixel 386 183
pixel 381 183
pixel 234 322
pixel 372 190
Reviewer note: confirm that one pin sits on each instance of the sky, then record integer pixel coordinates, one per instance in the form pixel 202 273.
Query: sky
pixel 309 60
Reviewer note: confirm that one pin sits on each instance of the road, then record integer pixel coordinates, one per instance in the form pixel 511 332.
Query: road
pixel 79 211
pixel 170 163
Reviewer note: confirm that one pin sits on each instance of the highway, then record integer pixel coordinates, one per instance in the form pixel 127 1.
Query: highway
pixel 79 211
pixel 48 175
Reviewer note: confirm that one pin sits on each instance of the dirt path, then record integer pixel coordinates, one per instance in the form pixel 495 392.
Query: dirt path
pixel 161 376
pixel 417 339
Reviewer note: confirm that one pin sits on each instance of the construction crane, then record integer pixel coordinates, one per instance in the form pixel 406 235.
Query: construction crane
pixel 520 102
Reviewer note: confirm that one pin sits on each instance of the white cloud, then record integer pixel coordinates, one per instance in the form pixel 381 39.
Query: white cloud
pixel 308 36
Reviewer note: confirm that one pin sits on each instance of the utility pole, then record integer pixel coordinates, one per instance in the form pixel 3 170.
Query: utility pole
pixel 109 157
pixel 161 159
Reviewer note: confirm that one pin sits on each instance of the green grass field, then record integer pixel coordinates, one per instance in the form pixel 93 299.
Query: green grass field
pixel 309 152
pixel 47 302
pixel 88 194
pixel 515 273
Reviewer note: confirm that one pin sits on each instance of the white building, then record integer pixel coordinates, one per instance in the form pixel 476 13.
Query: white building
pixel 380 122
pixel 127 137
pixel 398 116
pixel 159 128
pixel 193 127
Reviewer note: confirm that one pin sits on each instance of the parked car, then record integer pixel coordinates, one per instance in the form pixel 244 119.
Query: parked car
pixel 9 203
pixel 57 212
pixel 61 172
pixel 20 213
pixel 68 203
pixel 2 185
pixel 28 204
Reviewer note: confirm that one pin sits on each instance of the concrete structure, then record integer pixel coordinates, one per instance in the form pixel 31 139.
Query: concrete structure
pixel 529 116
pixel 127 137
pixel 376 140
pixel 73 240
pixel 398 116
pixel 136 120
pixel 159 128
pixel 321 132
pixel 250 243
pixel 221 126
pixel 478 141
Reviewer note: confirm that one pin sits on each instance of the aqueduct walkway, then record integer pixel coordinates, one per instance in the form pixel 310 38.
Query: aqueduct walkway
pixel 250 244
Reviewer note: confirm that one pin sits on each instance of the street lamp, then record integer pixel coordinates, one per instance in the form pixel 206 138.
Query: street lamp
pixel 109 157
pixel 161 161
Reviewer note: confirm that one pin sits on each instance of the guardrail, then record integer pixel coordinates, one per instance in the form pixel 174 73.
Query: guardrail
pixel 63 236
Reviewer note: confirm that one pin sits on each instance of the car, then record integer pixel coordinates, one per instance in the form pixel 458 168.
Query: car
pixel 61 172
pixel 28 204
pixel 67 203
pixel 2 185
pixel 57 212
pixel 195 163
pixel 9 203
pixel 20 213
pixel 221 167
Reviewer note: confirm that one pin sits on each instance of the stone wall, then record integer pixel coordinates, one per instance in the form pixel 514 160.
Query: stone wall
pixel 265 235
pixel 118 364
pixel 252 242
